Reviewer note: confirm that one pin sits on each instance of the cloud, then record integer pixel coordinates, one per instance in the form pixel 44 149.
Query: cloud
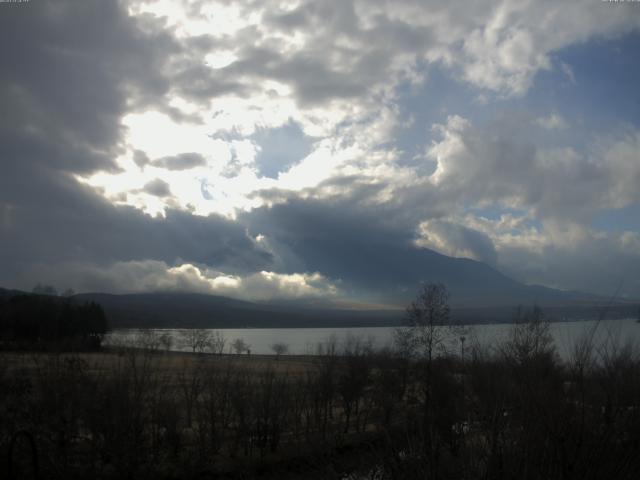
pixel 97 59
pixel 352 235
pixel 499 165
pixel 564 255
pixel 364 228
pixel 140 158
pixel 68 222
pixel 157 187
pixel 182 161
pixel 141 276
pixel 342 49
pixel 456 240
pixel 335 70
pixel 264 136
pixel 553 121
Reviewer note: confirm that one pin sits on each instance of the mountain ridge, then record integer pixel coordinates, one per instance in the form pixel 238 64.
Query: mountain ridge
pixel 197 310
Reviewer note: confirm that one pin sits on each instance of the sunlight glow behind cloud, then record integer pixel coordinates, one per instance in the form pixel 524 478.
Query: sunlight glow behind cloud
pixel 485 131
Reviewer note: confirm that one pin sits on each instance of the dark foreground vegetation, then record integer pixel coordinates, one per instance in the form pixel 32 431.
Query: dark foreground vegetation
pixel 514 411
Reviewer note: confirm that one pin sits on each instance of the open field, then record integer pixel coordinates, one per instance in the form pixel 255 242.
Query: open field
pixel 168 362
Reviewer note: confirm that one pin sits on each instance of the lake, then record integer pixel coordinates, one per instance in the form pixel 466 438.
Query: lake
pixel 304 341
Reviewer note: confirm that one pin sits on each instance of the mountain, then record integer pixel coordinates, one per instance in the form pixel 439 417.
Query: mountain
pixel 6 293
pixel 391 274
pixel 478 294
pixel 190 310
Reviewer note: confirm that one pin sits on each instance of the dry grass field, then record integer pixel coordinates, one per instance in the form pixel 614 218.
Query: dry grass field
pixel 166 361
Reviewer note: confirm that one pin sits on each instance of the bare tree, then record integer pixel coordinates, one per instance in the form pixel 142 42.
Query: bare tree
pixel 530 336
pixel 198 339
pixel 280 348
pixel 240 346
pixel 147 340
pixel 428 332
pixel 166 340
pixel 428 326
pixel 217 343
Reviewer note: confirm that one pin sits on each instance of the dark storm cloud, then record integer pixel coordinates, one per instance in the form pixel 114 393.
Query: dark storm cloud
pixel 70 69
pixel 370 248
pixel 68 223
pixel 376 253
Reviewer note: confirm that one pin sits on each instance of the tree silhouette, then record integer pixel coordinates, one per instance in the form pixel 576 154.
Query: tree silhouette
pixel 280 348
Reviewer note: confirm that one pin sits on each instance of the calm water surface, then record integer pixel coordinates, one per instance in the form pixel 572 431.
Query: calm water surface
pixel 304 341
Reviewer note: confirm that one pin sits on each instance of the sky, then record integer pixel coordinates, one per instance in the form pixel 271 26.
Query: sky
pixel 271 149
